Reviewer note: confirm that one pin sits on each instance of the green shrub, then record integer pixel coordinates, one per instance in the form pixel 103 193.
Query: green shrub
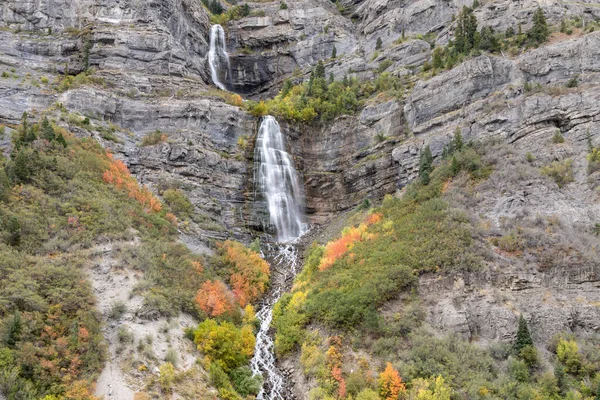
pixel 178 203
pixel 558 138
pixel 117 310
pixel 573 82
pixel 560 172
pixel 385 64
pixel 244 382
pixel 529 157
pixel 154 138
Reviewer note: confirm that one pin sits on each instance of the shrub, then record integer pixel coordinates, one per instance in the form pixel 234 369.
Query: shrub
pixel 215 299
pixel 529 157
pixel 154 138
pixel 283 5
pixel 567 352
pixel 244 382
pixel 178 202
pixel 385 64
pixel 117 309
pixel 573 82
pixel 166 377
pixel 390 383
pixel 593 159
pixel 247 273
pixel 558 138
pixel 560 172
pixel 225 344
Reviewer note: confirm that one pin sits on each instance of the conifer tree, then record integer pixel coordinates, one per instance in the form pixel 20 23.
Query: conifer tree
pixel 425 165
pixel 47 130
pixel 466 37
pixel 539 32
pixel 334 52
pixel 379 44
pixel 523 335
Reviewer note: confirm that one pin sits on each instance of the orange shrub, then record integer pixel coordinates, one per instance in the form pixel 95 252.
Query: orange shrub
pixel 215 299
pixel 118 175
pixel 390 383
pixel 337 248
pixel 249 273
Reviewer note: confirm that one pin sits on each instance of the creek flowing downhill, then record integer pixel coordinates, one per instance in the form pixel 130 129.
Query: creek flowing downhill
pixel 278 184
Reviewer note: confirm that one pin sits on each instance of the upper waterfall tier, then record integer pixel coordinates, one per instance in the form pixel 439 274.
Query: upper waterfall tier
pixel 218 59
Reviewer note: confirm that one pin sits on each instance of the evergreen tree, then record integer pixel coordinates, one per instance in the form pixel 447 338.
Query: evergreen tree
pixel 287 87
pixel 13 330
pixel 425 165
pixel 320 70
pixel 466 37
pixel 379 43
pixel 331 78
pixel 334 52
pixel 457 140
pixel 438 59
pixel 47 130
pixel 488 40
pixel 13 227
pixel 475 4
pixel 539 32
pixel 20 167
pixel 523 335
pixel 510 32
pixel 454 166
pixel 61 139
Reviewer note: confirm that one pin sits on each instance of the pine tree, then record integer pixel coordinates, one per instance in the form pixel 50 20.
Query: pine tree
pixel 523 335
pixel 331 78
pixel 61 139
pixel 466 37
pixel 320 70
pixel 379 43
pixel 457 140
pixel 438 59
pixel 47 130
pixel 488 40
pixel 539 32
pixel 334 52
pixel 425 165
pixel 13 330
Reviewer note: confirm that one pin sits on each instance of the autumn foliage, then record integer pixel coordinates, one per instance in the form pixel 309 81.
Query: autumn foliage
pixel 215 299
pixel 118 175
pixel 334 362
pixel 337 248
pixel 248 272
pixel 390 383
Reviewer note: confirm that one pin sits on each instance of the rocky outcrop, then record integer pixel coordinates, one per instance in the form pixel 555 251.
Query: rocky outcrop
pixel 265 50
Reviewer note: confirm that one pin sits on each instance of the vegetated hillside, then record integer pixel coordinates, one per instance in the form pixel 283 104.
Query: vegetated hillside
pixel 74 221
pixel 371 95
pixel 425 297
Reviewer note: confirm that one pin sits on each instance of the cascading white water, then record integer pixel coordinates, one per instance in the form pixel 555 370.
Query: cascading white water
pixel 263 362
pixel 218 59
pixel 278 181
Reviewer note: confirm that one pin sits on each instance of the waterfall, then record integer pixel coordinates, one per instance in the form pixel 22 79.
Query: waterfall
pixel 218 59
pixel 278 181
pixel 285 260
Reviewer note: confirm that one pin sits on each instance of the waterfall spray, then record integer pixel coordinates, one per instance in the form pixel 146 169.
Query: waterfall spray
pixel 278 182
pixel 218 59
